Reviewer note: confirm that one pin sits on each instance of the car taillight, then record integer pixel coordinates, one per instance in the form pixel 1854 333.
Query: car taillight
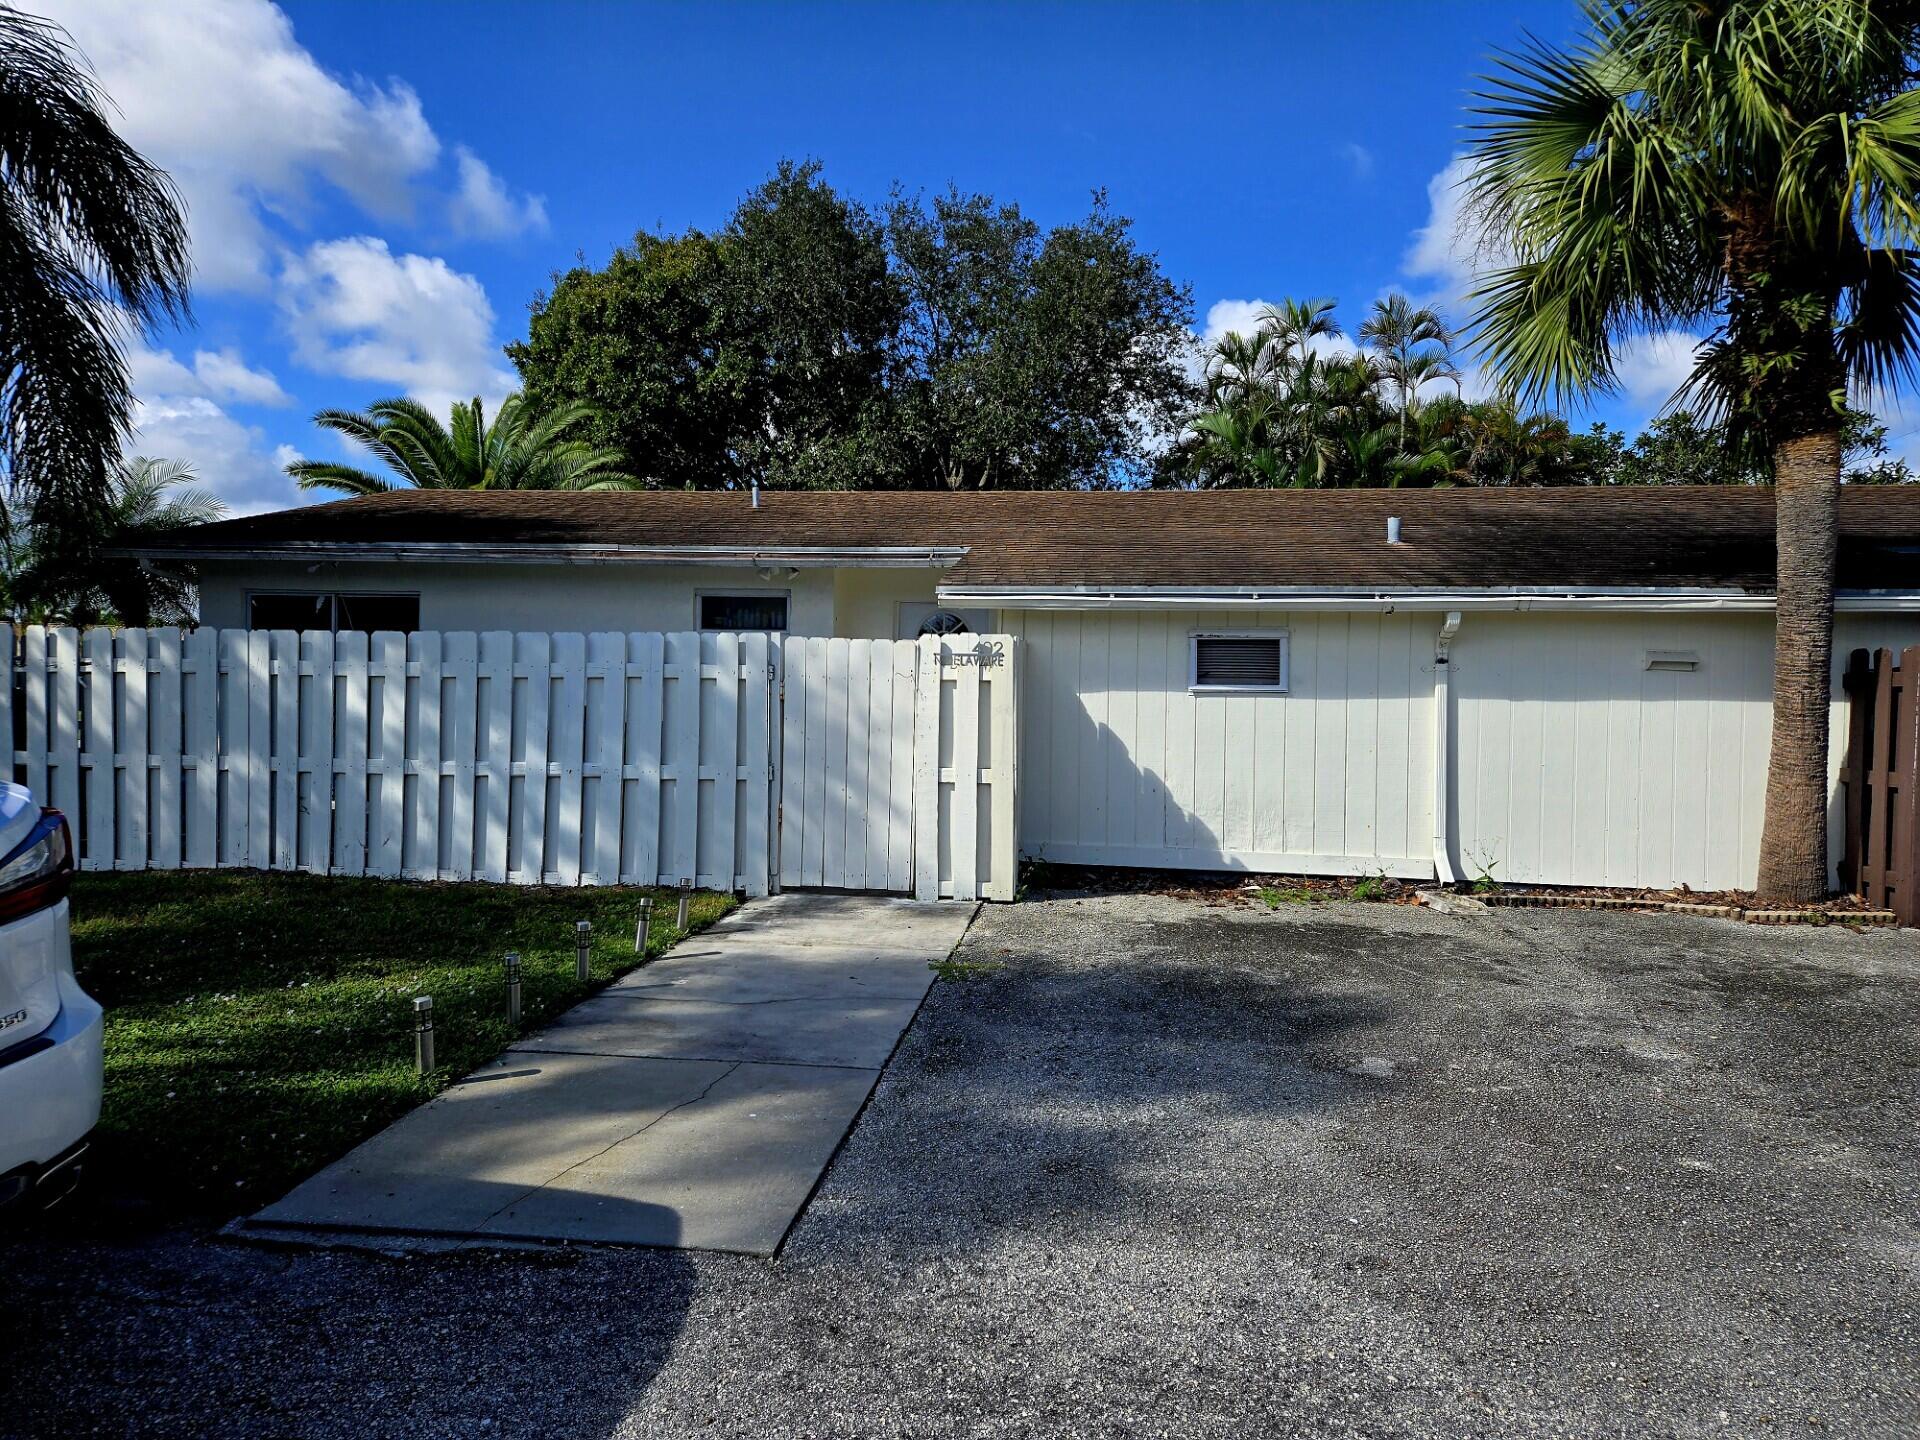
pixel 38 871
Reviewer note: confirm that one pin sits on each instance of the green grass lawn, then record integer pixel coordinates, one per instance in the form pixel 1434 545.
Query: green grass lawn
pixel 259 1025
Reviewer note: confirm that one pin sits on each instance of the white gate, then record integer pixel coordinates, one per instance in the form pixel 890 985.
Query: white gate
pixel 898 766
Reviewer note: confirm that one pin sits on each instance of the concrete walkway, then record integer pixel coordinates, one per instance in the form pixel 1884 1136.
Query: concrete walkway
pixel 692 1104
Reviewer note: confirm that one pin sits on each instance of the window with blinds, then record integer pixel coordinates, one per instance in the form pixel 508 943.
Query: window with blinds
pixel 1240 662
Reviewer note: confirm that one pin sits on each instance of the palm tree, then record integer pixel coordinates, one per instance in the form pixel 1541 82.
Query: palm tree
pixel 92 244
pixel 519 451
pixel 1403 336
pixel 44 583
pixel 1750 169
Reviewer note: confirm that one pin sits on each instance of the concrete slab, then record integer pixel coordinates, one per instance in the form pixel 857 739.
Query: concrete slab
pixel 876 923
pixel 517 1123
pixel 728 1171
pixel 694 1103
pixel 850 1029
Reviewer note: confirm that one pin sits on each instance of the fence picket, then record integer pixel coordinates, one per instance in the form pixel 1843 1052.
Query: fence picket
pixel 493 762
pixel 753 847
pixel 646 682
pixel 928 683
pixel 566 751
pixel 1002 878
pixel 858 706
pixel 283 683
pixel 879 764
pixel 63 726
pixel 130 852
pixel 259 750
pixel 963 808
pixel 200 725
pixel 794 824
pixel 9 669
pixel 680 756
pixel 316 750
pixel 533 651
pixel 460 663
pixel 34 693
pixel 420 857
pixel 350 754
pixel 164 707
pixel 906 680
pixel 386 752
pixel 100 847
pixel 603 737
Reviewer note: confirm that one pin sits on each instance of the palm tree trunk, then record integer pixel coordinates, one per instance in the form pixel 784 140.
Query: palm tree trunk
pixel 1793 841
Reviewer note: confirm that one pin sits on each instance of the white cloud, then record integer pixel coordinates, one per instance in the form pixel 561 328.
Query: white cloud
pixel 1243 317
pixel 179 416
pixel 227 377
pixel 482 206
pixel 228 457
pixel 1360 158
pixel 214 375
pixel 1652 367
pixel 1450 248
pixel 356 309
pixel 250 126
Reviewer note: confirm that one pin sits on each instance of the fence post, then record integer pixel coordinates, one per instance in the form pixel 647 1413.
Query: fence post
pixel 1857 683
pixel 1906 839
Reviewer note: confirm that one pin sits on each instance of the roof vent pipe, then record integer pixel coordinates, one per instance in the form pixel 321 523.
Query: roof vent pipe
pixel 756 499
pixel 1393 529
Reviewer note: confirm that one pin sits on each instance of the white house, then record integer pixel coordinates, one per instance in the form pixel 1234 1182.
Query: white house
pixel 1553 685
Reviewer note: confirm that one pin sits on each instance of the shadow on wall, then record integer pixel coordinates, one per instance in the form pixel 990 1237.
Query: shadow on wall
pixel 1124 764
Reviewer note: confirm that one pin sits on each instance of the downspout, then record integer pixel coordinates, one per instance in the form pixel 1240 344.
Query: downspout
pixel 1443 751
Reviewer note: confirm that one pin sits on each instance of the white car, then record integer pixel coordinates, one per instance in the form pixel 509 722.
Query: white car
pixel 50 1071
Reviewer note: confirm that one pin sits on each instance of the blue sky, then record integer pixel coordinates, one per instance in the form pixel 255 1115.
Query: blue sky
pixel 378 190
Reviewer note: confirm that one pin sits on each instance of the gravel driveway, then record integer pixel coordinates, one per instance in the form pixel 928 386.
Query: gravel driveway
pixel 1179 1170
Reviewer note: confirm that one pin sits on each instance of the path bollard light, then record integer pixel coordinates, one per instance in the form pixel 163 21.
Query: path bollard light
pixel 513 988
pixel 423 1033
pixel 643 925
pixel 582 949
pixel 681 916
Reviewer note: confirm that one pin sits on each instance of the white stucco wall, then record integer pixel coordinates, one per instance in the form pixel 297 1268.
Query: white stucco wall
pixel 531 597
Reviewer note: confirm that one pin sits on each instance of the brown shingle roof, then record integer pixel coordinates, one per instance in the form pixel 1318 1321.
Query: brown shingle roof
pixel 1523 538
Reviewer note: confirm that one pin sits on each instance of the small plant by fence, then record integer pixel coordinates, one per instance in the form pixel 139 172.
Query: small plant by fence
pixel 1882 781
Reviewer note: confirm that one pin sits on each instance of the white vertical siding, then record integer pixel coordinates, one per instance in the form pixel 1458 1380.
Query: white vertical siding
pixel 1579 766
pixel 1574 763
pixel 1122 764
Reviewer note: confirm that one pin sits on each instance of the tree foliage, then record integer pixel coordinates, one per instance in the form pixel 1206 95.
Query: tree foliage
pixel 47 583
pixel 93 246
pixel 1290 404
pixel 1749 169
pixel 518 451
pixel 812 342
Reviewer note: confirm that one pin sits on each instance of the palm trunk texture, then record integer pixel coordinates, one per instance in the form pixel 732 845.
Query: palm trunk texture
pixel 1793 841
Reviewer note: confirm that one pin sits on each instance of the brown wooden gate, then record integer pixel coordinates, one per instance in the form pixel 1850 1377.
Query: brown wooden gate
pixel 1882 781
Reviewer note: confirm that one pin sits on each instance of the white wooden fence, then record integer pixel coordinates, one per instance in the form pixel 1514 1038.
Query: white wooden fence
pixel 629 757
pixel 899 766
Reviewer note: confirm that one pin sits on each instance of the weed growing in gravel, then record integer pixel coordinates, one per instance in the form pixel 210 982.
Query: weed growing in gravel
pixel 1276 896
pixel 951 969
pixel 1371 887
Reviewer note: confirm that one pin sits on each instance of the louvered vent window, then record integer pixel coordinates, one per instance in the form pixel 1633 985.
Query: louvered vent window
pixel 1240 662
